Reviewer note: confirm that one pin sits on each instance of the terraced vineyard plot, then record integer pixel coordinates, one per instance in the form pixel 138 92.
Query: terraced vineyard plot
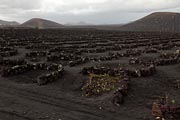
pixel 129 71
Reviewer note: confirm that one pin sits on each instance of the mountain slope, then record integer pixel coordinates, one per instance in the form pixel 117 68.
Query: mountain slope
pixel 41 23
pixel 159 21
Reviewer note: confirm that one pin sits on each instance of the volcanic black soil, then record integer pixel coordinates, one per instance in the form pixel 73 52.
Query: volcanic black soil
pixel 22 99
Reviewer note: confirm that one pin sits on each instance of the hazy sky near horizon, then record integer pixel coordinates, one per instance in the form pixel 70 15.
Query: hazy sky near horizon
pixel 90 11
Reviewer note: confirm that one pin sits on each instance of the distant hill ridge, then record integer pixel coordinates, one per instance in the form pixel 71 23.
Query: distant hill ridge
pixel 8 23
pixel 158 21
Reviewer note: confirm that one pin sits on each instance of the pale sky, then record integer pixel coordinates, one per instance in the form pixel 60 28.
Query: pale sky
pixel 91 11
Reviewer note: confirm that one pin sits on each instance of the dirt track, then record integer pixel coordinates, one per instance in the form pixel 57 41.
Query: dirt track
pixel 25 104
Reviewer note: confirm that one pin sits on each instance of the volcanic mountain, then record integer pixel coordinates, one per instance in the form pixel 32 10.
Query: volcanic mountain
pixel 8 23
pixel 41 23
pixel 158 21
